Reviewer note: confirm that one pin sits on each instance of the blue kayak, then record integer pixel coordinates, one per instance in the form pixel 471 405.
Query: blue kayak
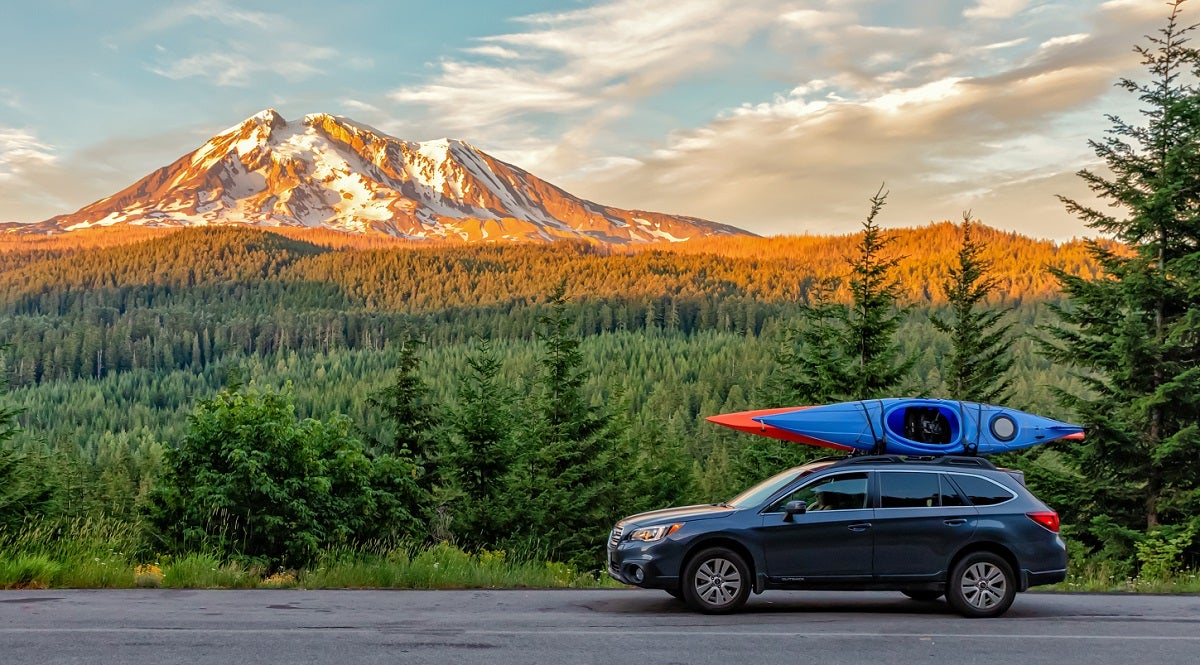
pixel 922 426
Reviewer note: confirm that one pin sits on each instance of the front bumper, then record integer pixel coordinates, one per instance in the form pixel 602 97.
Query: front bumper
pixel 648 565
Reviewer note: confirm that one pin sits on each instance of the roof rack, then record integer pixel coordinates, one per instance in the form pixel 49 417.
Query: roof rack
pixel 944 460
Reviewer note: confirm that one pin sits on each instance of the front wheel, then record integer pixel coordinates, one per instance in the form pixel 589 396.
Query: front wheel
pixel 981 585
pixel 716 581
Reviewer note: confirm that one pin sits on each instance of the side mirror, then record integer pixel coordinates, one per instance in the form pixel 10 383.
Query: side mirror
pixel 792 508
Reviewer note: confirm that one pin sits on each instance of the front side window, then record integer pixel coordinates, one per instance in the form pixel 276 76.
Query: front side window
pixel 845 491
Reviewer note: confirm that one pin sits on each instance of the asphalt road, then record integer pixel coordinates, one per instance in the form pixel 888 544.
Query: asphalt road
pixel 160 627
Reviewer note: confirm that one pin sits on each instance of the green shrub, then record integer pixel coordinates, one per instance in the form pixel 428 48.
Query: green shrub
pixel 26 571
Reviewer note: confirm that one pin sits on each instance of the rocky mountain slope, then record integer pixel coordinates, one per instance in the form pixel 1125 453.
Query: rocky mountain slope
pixel 327 171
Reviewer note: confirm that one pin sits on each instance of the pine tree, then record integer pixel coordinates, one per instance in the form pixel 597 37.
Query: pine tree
pixel 480 452
pixel 878 366
pixel 1131 333
pixel 409 410
pixel 571 465
pixel 812 356
pixel 981 345
pixel 842 352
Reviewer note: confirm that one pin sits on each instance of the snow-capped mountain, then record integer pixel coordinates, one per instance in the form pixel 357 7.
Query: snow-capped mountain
pixel 327 171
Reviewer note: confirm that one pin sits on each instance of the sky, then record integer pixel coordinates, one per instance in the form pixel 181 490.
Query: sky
pixel 777 116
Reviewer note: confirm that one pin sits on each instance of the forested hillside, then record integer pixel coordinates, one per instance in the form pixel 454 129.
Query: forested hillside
pixel 184 299
pixel 110 347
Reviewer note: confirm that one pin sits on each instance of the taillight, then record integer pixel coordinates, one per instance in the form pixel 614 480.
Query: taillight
pixel 1048 519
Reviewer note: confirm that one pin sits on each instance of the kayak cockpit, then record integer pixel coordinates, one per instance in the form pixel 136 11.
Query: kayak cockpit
pixel 925 423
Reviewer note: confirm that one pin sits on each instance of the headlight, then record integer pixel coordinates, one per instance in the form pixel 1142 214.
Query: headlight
pixel 653 533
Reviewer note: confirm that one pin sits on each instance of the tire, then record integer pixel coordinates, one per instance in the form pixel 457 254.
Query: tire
pixel 923 595
pixel 716 581
pixel 674 593
pixel 981 585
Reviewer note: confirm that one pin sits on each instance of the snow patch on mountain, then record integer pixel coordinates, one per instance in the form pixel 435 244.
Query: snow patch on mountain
pixel 331 172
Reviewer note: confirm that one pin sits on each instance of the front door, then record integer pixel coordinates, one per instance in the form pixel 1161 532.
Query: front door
pixel 831 541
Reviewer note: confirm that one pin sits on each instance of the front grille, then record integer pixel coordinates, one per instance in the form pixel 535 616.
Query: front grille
pixel 615 537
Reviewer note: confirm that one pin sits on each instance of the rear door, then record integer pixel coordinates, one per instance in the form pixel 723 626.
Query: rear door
pixel 921 520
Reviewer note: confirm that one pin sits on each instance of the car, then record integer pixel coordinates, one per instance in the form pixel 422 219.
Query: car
pixel 924 526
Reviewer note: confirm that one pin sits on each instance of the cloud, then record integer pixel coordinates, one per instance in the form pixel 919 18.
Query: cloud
pixel 212 10
pixel 569 62
pixel 20 152
pixel 995 9
pixel 25 163
pixel 966 130
pixel 233 66
pixel 494 51
pixel 39 180
pixel 251 44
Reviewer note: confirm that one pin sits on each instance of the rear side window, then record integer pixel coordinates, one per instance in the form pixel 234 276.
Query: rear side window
pixel 950 495
pixel 981 491
pixel 909 490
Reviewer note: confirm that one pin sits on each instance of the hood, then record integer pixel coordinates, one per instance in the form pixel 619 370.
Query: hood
pixel 685 513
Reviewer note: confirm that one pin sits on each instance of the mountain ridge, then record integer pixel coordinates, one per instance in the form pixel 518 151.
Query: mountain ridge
pixel 327 171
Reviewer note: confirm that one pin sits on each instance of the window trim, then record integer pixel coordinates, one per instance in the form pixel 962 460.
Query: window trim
pixel 879 488
pixel 1012 496
pixel 871 493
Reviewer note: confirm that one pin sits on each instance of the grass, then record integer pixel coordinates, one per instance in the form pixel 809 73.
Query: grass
pixel 106 554
pixel 1105 577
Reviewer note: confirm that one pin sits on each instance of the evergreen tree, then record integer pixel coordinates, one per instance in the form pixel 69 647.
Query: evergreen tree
pixel 480 452
pixel 662 470
pixel 571 464
pixel 849 352
pixel 812 357
pixel 981 345
pixel 1131 333
pixel 878 365
pixel 408 408
pixel 25 487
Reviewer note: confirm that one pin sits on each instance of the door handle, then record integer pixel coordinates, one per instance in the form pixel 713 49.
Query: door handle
pixel 958 522
pixel 860 526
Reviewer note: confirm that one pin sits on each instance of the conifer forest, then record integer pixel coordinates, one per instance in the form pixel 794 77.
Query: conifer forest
pixel 271 395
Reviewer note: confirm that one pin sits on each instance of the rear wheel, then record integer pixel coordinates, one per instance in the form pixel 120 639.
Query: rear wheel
pixel 923 595
pixel 981 585
pixel 716 581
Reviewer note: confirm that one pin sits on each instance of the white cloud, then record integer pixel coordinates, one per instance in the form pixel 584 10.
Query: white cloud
pixel 609 54
pixel 212 10
pixel 1007 44
pixel 995 9
pixel 1063 40
pixel 21 151
pixel 233 66
pixel 494 51
pixel 967 130
pixel 252 44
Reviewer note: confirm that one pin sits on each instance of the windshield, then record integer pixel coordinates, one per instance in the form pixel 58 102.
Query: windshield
pixel 760 492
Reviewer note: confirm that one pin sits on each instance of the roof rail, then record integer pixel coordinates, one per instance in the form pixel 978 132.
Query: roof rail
pixel 945 460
